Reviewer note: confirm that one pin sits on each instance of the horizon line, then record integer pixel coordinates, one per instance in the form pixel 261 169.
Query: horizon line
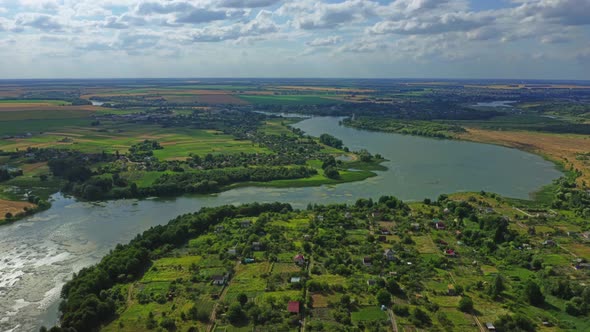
pixel 299 78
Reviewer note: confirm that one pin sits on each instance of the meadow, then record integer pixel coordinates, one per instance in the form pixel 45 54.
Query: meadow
pixel 112 137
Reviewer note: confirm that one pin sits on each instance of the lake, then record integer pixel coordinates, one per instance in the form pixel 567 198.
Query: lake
pixel 38 254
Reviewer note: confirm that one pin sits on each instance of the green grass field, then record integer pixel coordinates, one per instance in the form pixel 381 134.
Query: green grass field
pixel 34 102
pixel 37 126
pixel 45 114
pixel 368 314
pixel 177 142
pixel 289 99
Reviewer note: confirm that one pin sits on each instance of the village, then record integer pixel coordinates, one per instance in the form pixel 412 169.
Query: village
pixel 378 266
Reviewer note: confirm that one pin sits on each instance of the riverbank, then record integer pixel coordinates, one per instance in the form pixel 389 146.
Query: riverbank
pixel 12 211
pixel 563 149
pixel 354 171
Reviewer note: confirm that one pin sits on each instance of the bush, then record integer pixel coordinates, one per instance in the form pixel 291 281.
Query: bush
pixel 420 318
pixel 516 323
pixel 533 294
pixel 401 310
pixel 466 304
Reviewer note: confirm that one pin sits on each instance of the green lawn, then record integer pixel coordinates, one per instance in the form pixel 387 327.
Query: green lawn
pixel 368 314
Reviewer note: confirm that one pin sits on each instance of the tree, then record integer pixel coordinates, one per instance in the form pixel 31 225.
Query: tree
pixel 384 298
pixel 235 314
pixel 331 173
pixel 193 312
pixel 242 298
pixel 345 300
pixel 151 322
pixel 168 324
pixel 533 294
pixel 497 287
pixel 516 323
pixel 393 287
pixel 466 304
pixel 420 317
pixel 330 140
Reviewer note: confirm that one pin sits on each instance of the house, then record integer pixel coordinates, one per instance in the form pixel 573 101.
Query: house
pixel 439 225
pixel 446 211
pixel 450 252
pixel 218 228
pixel 548 243
pixel 585 236
pixel 348 215
pixel 384 231
pixel 582 266
pixel 294 307
pixel 295 280
pixel 490 327
pixel 219 280
pixel 415 226
pixel 451 290
pixel 442 242
pixel 368 261
pixel 320 217
pixel 299 259
pixel 256 246
pixel 382 238
pixel 232 251
pixel 371 282
pixel 245 223
pixel 249 260
pixel 307 237
pixel 389 255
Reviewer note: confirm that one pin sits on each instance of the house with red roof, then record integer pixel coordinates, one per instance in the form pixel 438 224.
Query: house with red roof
pixel 299 259
pixel 450 252
pixel 294 307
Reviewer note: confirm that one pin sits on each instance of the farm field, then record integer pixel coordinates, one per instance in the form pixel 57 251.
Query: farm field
pixel 177 143
pixel 291 99
pixel 10 103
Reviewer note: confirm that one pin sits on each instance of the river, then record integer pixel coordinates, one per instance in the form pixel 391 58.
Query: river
pixel 38 254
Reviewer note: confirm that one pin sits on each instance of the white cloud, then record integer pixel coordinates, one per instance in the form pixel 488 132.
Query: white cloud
pixel 566 12
pixel 327 32
pixel 325 41
pixel 41 4
pixel 39 21
pixel 433 24
pixel 331 15
pixel 248 3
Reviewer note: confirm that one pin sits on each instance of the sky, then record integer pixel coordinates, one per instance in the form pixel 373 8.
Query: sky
pixel 519 39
